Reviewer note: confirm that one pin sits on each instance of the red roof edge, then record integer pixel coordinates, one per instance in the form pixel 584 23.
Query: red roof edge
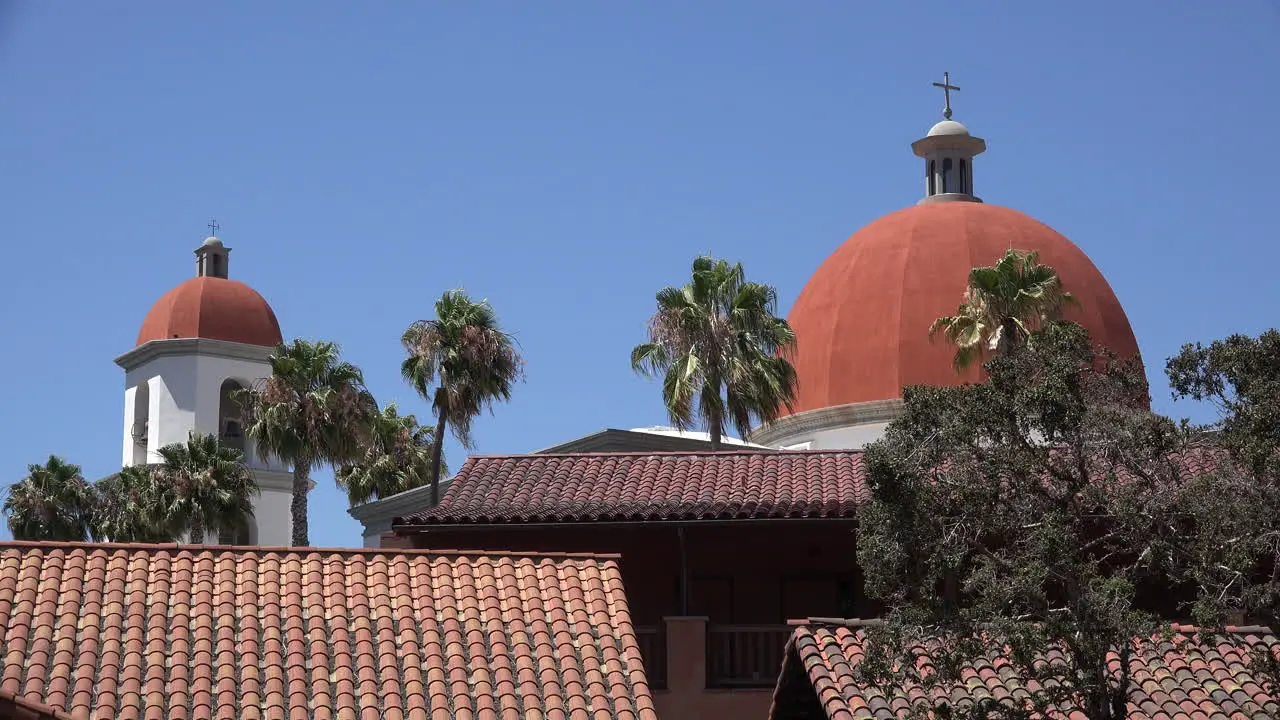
pixel 17 707
pixel 671 453
pixel 870 622
pixel 178 547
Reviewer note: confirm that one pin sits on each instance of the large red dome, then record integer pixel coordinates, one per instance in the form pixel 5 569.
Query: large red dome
pixel 862 321
pixel 213 308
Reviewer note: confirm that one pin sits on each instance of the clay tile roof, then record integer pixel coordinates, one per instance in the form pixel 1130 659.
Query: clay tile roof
pixel 162 631
pixel 16 707
pixel 1178 678
pixel 651 486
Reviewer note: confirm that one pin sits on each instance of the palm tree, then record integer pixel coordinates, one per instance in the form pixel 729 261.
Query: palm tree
pixel 210 489
pixel 53 502
pixel 462 362
pixel 722 353
pixel 1003 304
pixel 397 458
pixel 131 507
pixel 314 410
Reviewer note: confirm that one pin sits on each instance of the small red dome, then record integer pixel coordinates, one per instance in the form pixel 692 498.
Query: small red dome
pixel 862 321
pixel 215 309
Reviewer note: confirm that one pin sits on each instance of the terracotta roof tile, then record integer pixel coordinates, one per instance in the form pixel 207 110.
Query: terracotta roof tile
pixel 651 486
pixel 16 707
pixel 163 631
pixel 1175 678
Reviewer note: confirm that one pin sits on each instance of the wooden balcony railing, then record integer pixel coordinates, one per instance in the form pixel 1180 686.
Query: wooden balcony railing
pixel 653 650
pixel 745 655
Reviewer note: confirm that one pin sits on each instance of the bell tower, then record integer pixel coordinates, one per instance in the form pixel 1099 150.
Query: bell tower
pixel 203 341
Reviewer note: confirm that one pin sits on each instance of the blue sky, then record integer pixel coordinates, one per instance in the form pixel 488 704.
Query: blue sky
pixel 565 160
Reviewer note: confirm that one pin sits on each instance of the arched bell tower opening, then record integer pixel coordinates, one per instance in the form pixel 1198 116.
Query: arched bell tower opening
pixel 231 416
pixel 140 427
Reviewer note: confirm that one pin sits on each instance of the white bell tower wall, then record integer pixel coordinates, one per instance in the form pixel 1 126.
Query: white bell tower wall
pixel 173 387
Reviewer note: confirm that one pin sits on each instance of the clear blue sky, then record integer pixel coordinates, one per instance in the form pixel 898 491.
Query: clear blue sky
pixel 567 159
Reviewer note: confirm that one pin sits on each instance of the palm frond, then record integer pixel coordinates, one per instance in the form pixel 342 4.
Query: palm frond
pixel 53 502
pixel 719 349
pixel 1003 304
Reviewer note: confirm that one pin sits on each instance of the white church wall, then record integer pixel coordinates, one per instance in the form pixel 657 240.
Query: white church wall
pixel 841 427
pixel 183 379
pixel 853 437
pixel 271 511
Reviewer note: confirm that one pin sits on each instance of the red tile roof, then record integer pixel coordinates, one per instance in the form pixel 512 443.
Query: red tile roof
pixel 163 631
pixel 16 707
pixel 1180 678
pixel 651 486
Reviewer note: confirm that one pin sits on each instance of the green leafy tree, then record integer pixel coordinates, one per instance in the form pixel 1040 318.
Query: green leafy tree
pixel 1003 304
pixel 462 362
pixel 722 353
pixel 53 502
pixel 1043 509
pixel 131 507
pixel 397 458
pixel 314 410
pixel 209 488
pixel 1238 550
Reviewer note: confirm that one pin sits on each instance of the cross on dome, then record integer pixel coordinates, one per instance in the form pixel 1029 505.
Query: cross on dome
pixel 947 87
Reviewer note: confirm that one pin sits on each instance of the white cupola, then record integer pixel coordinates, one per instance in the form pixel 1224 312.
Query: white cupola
pixel 948 151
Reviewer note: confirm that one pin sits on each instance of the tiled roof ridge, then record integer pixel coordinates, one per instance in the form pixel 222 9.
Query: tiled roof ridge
pixel 262 549
pixel 1181 628
pixel 665 453
pixel 31 709
pixel 836 622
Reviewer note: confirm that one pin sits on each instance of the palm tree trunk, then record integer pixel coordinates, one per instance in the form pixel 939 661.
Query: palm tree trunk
pixel 437 454
pixel 715 419
pixel 196 535
pixel 298 508
pixel 1008 336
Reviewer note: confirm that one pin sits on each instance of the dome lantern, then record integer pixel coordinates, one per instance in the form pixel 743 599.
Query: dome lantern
pixel 212 257
pixel 948 151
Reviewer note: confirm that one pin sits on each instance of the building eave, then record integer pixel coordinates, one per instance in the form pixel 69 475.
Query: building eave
pixel 423 529
pixel 376 515
pixel 193 346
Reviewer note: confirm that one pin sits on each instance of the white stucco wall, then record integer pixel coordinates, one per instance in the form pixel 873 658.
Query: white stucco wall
pixel 271 511
pixel 184 393
pixel 843 427
pixel 853 437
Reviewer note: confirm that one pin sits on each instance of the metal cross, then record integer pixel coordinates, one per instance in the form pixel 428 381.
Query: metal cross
pixel 947 87
pixel 214 227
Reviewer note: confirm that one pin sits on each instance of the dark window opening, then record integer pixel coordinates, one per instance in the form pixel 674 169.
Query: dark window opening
pixel 933 178
pixel 948 182
pixel 964 176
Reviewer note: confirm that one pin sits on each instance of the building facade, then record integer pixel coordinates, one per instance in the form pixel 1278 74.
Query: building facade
pixel 720 549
